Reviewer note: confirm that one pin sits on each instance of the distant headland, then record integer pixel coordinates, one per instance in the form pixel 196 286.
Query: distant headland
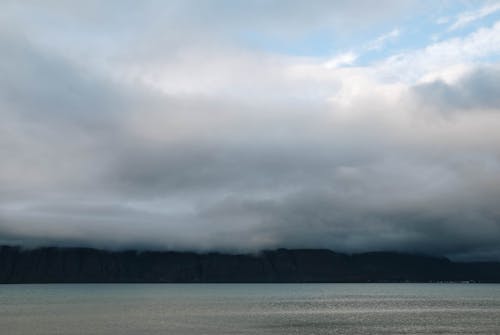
pixel 86 265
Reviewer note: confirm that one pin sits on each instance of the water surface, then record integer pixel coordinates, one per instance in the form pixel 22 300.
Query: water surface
pixel 250 309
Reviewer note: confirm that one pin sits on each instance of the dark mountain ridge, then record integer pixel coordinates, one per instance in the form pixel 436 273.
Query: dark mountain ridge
pixel 86 265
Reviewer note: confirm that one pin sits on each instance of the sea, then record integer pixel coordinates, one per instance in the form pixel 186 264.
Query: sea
pixel 192 309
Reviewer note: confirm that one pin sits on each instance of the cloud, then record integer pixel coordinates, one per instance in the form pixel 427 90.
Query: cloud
pixel 414 65
pixel 347 58
pixel 473 91
pixel 380 41
pixel 466 18
pixel 118 23
pixel 442 20
pixel 211 146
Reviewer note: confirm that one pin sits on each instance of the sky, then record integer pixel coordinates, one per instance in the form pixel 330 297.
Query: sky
pixel 239 126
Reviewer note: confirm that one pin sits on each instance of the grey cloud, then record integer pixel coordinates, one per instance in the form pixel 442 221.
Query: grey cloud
pixel 128 30
pixel 477 90
pixel 39 87
pixel 292 14
pixel 88 159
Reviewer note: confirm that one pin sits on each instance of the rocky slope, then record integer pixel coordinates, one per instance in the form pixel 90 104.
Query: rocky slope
pixel 84 265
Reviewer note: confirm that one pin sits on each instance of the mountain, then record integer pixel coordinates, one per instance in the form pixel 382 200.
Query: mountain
pixel 85 265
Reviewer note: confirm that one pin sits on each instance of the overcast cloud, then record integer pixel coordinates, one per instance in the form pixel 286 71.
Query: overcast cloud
pixel 176 125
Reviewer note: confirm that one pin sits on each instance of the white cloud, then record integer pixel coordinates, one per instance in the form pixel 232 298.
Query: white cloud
pixel 346 58
pixel 413 65
pixel 380 41
pixel 443 20
pixel 465 18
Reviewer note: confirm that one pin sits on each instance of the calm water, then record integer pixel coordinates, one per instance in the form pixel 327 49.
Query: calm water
pixel 250 309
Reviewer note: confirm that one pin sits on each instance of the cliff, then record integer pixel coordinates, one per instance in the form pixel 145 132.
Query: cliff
pixel 85 265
